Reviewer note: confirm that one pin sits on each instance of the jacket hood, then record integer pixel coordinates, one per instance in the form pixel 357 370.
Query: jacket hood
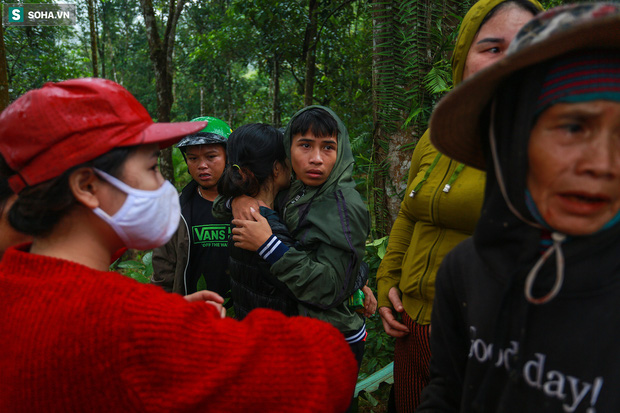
pixel 469 27
pixel 321 211
pixel 329 222
pixel 508 237
pixel 342 172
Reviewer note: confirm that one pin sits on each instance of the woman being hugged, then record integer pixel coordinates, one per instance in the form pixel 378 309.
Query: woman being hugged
pixel 82 157
pixel 258 168
pixel 440 209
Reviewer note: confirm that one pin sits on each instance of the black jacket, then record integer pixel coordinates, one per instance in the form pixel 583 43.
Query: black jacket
pixel 252 284
pixel 494 351
pixel 171 259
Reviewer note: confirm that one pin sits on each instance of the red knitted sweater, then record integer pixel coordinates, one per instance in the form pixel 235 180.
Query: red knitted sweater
pixel 75 339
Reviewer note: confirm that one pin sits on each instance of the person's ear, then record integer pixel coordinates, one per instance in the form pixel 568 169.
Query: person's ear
pixel 85 185
pixel 277 169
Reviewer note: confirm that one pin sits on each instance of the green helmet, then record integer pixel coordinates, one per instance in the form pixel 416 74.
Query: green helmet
pixel 216 131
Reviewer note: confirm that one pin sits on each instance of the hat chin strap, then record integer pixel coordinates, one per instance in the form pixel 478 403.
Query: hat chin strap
pixel 558 238
pixel 498 171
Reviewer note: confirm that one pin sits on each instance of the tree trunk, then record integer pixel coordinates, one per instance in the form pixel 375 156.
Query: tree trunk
pixel 403 52
pixel 103 39
pixel 202 107
pixel 382 69
pixel 276 120
pixel 310 38
pixel 160 52
pixel 93 38
pixel 4 78
pixel 229 101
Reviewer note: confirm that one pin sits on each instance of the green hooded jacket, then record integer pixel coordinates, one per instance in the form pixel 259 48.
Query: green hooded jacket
pixel 330 223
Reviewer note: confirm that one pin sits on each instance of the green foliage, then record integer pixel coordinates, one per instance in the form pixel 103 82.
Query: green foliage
pixel 139 268
pixel 375 402
pixel 379 350
pixel 34 57
pixel 202 283
pixel 181 175
pixel 379 346
pixel 123 48
pixel 437 80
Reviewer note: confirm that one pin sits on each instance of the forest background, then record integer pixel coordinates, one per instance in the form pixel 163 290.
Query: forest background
pixel 381 65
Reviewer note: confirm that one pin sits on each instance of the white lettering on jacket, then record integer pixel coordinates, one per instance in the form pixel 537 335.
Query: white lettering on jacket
pixel 571 390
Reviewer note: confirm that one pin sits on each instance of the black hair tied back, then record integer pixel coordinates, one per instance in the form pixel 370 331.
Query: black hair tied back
pixel 251 153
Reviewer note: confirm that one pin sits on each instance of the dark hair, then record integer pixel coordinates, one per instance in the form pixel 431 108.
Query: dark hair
pixel 316 120
pixel 251 153
pixel 183 149
pixel 523 4
pixel 5 189
pixel 39 208
pixel 5 193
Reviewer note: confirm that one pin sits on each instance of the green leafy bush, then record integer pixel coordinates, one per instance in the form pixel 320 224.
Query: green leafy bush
pixel 139 266
pixel 379 351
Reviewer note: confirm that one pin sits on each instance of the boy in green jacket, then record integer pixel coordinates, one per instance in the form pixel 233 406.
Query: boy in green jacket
pixel 325 215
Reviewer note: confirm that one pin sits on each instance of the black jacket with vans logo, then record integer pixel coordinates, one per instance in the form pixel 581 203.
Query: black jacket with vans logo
pixel 176 269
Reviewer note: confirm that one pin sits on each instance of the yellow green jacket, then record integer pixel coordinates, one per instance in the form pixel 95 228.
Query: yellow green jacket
pixel 428 226
pixel 433 222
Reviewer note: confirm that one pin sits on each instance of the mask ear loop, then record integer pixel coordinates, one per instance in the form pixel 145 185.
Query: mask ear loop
pixel 127 189
pixel 558 238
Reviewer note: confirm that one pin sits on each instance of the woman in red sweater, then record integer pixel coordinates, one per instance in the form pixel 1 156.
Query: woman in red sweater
pixel 82 157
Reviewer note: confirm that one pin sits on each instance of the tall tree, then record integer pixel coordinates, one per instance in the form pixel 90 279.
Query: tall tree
pixel 160 52
pixel 39 54
pixel 276 118
pixel 310 43
pixel 382 94
pixel 278 34
pixel 411 39
pixel 93 37
pixel 4 79
pixel 318 19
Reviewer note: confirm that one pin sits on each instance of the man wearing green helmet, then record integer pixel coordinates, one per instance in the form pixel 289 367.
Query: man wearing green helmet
pixel 196 258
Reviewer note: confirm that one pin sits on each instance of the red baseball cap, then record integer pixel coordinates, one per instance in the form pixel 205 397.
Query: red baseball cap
pixel 49 130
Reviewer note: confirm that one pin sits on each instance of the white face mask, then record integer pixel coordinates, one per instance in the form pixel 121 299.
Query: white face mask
pixel 147 219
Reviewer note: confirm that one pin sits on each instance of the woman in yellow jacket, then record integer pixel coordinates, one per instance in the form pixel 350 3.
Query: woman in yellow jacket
pixel 440 208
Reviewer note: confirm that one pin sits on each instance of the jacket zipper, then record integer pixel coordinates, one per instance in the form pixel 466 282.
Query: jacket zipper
pixel 297 198
pixel 438 190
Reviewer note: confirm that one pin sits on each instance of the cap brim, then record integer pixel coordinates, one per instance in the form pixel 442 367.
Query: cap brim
pixel 166 134
pixel 455 122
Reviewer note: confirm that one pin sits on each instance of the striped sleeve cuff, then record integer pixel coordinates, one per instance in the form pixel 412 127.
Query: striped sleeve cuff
pixel 359 336
pixel 272 250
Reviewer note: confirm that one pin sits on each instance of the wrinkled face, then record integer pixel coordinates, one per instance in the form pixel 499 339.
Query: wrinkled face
pixel 493 39
pixel 574 165
pixel 206 163
pixel 313 158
